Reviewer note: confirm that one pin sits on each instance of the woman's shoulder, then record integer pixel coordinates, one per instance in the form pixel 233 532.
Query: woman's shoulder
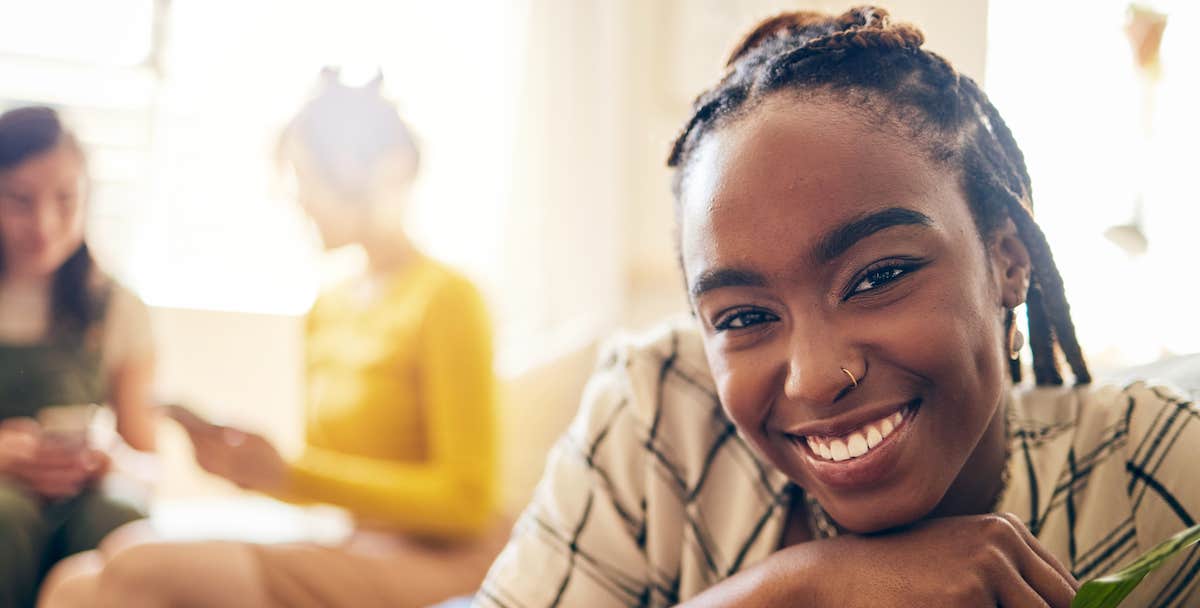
pixel 662 370
pixel 127 327
pixel 1092 410
pixel 658 386
pixel 119 303
pixel 443 281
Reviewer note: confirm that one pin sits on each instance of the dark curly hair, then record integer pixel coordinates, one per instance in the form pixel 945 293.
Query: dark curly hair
pixel 861 58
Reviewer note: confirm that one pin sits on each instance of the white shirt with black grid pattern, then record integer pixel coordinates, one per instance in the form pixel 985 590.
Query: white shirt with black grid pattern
pixel 651 496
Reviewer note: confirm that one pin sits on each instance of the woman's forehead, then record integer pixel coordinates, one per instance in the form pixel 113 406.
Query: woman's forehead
pixel 787 173
pixel 57 166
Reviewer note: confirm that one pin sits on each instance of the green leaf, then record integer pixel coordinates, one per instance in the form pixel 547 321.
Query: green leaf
pixel 1108 591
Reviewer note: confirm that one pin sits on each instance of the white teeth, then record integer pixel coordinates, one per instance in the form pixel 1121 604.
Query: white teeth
pixel 886 427
pixel 838 450
pixel 857 445
pixel 873 436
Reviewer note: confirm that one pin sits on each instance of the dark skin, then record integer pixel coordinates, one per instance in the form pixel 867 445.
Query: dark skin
pixel 912 302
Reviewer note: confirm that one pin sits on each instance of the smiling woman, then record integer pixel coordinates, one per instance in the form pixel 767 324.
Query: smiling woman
pixel 846 406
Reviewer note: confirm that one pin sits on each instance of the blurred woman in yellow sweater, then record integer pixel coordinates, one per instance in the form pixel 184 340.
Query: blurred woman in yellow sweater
pixel 399 414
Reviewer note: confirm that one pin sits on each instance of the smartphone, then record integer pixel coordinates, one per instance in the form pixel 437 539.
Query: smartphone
pixel 68 425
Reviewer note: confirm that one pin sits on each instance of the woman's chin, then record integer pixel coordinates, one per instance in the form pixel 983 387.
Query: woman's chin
pixel 874 519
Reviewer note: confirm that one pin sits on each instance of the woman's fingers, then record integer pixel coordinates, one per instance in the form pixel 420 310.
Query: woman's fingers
pixel 1018 594
pixel 1052 585
pixel 1047 557
pixel 57 482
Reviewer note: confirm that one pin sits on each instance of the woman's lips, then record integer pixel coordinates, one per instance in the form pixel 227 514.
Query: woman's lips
pixel 863 456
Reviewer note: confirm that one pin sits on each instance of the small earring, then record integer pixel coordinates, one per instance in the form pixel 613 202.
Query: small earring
pixel 1016 339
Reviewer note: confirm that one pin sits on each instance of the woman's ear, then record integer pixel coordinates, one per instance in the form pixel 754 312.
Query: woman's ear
pixel 1011 265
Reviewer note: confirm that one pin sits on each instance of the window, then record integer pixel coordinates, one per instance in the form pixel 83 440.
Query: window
pixel 1111 153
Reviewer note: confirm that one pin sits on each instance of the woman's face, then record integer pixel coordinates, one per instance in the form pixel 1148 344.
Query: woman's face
pixel 812 242
pixel 339 222
pixel 41 212
pixel 342 219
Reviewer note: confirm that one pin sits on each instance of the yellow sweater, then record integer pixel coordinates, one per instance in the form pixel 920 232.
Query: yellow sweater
pixel 399 416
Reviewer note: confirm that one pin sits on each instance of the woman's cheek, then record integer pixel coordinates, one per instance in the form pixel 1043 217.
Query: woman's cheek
pixel 743 394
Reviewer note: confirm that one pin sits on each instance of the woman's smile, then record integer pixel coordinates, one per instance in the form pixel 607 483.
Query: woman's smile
pixel 861 454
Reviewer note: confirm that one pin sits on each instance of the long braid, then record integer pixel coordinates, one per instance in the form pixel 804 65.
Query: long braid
pixel 1058 309
pixel 884 70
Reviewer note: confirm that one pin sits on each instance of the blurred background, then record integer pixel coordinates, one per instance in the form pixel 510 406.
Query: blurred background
pixel 544 126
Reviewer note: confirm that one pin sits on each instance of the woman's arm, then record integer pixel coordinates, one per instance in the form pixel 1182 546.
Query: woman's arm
pixel 131 395
pixel 983 560
pixel 578 542
pixel 453 492
pixel 129 357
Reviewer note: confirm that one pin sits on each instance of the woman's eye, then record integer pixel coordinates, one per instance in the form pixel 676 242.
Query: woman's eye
pixel 879 277
pixel 744 319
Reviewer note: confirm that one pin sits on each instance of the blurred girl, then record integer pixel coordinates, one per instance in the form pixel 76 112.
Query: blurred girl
pixel 70 336
pixel 399 414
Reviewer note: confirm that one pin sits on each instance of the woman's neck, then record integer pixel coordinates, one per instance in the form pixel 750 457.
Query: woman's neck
pixel 388 253
pixel 25 281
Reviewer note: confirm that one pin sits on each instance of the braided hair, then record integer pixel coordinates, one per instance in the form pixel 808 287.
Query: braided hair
pixel 861 58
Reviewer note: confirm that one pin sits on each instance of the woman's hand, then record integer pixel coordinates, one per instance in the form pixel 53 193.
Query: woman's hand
pixel 985 560
pixel 247 459
pixel 47 465
pixel 18 442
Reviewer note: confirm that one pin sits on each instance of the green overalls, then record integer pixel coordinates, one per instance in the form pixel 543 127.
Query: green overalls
pixel 34 534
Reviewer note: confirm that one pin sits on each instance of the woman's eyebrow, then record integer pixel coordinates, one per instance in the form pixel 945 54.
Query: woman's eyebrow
pixel 725 277
pixel 835 242
pixel 840 239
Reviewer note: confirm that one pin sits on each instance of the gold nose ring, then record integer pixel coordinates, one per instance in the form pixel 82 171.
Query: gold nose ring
pixel 853 380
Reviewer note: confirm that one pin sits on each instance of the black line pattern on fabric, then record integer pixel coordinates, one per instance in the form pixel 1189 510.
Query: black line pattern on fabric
pixel 1129 537
pixel 663 369
pixel 599 572
pixel 690 478
pixel 1112 535
pixel 1076 480
pixel 708 461
pixel 1071 508
pixel 492 595
pixel 1087 463
pixel 1142 457
pixel 758 527
pixel 608 424
pixel 675 475
pixel 1035 522
pixel 1163 456
pixel 702 544
pixel 1165 494
pixel 637 529
pixel 1189 580
pixel 698 385
pixel 607 485
pixel 574 547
